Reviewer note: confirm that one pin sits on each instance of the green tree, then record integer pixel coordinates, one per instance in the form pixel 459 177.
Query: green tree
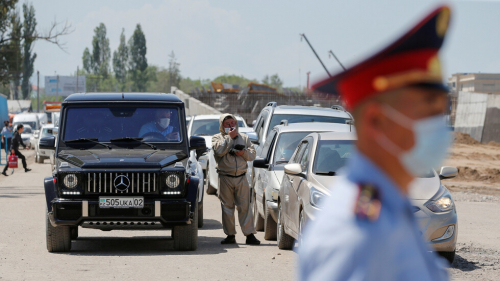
pixel 87 65
pixel 273 81
pixel 174 77
pixel 29 30
pixel 120 59
pixel 138 62
pixel 234 79
pixel 101 53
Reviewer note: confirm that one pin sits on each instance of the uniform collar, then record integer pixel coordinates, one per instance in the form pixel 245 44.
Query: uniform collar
pixel 362 170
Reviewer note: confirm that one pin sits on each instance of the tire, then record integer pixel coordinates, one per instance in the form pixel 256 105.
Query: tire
pixel 200 216
pixel 257 218
pixel 270 227
pixel 285 241
pixel 210 189
pixel 450 256
pixel 58 237
pixel 186 236
pixel 74 232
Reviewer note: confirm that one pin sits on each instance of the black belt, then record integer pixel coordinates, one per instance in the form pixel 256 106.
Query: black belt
pixel 231 176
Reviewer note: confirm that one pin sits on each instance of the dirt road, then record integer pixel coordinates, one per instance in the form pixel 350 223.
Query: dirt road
pixel 149 255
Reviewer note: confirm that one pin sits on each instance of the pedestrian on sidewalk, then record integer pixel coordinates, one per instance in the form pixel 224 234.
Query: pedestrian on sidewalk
pixel 232 150
pixel 6 139
pixel 14 149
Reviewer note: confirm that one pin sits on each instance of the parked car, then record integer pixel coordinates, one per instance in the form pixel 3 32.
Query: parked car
pixel 31 119
pixel 273 114
pixel 312 172
pixel 42 154
pixel 269 169
pixel 206 126
pixel 114 170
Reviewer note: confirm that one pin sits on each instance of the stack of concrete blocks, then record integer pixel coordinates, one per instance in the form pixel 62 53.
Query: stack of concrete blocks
pixel 478 115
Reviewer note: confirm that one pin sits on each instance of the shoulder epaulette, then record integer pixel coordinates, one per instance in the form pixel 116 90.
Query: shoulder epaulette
pixel 368 203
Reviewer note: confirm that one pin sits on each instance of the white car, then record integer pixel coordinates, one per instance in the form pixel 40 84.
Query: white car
pixel 42 154
pixel 206 126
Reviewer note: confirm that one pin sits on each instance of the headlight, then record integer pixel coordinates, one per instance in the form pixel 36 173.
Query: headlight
pixel 172 181
pixel 316 197
pixel 70 181
pixel 443 203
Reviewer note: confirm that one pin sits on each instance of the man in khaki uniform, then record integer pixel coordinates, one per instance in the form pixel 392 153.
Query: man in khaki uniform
pixel 232 151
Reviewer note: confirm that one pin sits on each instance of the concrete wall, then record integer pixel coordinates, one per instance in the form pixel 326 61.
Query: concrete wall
pixel 491 130
pixel 471 113
pixel 194 106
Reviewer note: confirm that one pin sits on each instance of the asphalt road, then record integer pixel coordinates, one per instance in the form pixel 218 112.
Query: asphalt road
pixel 122 255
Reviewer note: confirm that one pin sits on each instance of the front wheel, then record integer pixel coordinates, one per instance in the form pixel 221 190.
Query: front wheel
pixel 58 237
pixel 285 241
pixel 269 225
pixel 450 256
pixel 186 236
pixel 257 218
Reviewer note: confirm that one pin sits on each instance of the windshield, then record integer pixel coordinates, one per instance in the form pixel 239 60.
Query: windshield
pixel 205 127
pixel 331 155
pixel 293 118
pixel 286 145
pixel 105 123
pixel 27 130
pixel 241 124
pixel 46 132
pixel 31 124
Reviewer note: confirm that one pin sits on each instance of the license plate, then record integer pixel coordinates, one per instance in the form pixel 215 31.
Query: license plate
pixel 121 202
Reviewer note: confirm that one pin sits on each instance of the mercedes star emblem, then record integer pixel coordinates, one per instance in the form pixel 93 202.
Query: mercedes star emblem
pixel 122 183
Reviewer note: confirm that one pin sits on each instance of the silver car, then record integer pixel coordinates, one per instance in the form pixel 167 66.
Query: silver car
pixel 269 164
pixel 311 172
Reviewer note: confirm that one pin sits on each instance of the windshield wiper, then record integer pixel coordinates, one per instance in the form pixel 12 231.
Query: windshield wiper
pixel 330 173
pixel 94 140
pixel 135 139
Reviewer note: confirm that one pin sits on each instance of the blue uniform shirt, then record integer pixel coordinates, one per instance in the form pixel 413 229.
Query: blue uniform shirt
pixel 151 127
pixel 339 245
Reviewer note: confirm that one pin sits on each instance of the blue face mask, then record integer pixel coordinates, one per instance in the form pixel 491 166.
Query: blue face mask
pixel 432 140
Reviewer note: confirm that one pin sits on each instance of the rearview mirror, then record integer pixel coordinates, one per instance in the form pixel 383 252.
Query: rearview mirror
pixel 294 169
pixel 260 163
pixel 448 172
pixel 48 143
pixel 197 143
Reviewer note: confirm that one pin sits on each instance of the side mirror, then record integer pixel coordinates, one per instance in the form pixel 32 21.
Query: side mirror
pixel 35 134
pixel 294 169
pixel 253 123
pixel 260 163
pixel 253 137
pixel 47 143
pixel 197 143
pixel 448 172
pixel 55 131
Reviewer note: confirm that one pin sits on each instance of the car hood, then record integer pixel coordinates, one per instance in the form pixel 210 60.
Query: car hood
pixel 424 188
pixel 140 158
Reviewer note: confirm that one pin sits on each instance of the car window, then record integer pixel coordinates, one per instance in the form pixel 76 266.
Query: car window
pixel 331 155
pixel 205 127
pixel 260 125
pixel 105 123
pixel 46 132
pixel 304 158
pixel 268 144
pixel 300 149
pixel 286 145
pixel 241 124
pixel 294 118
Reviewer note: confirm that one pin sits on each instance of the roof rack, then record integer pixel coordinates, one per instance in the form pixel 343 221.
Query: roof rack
pixel 284 122
pixel 338 107
pixel 272 103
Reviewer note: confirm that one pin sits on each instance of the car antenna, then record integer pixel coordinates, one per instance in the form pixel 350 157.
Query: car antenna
pixel 302 35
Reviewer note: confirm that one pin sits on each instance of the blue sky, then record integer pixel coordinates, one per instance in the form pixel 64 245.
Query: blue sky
pixel 255 38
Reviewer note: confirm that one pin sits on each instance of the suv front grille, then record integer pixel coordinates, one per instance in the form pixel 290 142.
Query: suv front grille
pixel 115 183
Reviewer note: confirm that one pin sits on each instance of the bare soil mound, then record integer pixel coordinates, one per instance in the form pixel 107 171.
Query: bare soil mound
pixel 484 175
pixel 492 143
pixel 463 138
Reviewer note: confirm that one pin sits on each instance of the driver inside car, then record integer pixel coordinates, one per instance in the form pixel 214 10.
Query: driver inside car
pixel 161 125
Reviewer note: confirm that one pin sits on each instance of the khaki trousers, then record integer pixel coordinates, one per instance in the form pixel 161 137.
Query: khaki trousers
pixel 235 191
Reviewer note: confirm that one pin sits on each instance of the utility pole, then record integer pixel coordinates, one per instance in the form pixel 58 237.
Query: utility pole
pixel 38 91
pixel 76 91
pixel 57 87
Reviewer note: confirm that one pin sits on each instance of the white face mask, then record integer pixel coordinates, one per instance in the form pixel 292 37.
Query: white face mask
pixel 164 122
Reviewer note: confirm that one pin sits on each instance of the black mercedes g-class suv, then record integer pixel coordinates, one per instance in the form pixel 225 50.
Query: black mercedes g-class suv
pixel 122 161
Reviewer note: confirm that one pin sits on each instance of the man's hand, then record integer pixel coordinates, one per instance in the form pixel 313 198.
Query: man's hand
pixel 173 136
pixel 233 133
pixel 239 152
pixel 27 148
pixel 12 151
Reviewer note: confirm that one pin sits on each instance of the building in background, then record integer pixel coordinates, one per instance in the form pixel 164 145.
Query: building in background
pixel 475 82
pixel 64 86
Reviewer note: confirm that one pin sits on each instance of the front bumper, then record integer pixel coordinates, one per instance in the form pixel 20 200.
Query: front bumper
pixel 157 213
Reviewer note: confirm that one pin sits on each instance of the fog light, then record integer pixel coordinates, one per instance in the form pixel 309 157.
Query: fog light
pixel 447 234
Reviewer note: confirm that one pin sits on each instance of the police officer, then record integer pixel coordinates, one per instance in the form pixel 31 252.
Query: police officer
pixel 366 230
pixel 232 150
